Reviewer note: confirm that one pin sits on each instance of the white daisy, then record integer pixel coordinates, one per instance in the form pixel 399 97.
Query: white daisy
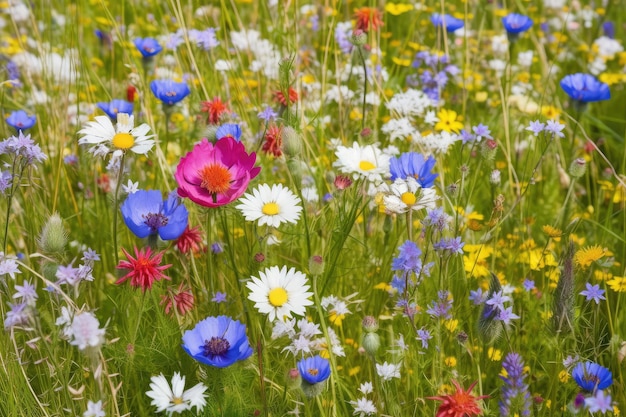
pixel 175 399
pixel 407 194
pixel 118 139
pixel 279 293
pixel 367 162
pixel 271 206
pixel 363 407
pixel 388 371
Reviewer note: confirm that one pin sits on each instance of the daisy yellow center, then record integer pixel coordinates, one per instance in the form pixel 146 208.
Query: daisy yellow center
pixel 270 209
pixel 215 178
pixel 123 141
pixel 177 400
pixel 277 296
pixel 408 198
pixel 366 166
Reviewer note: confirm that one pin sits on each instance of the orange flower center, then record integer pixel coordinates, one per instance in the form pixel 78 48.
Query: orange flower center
pixel 215 178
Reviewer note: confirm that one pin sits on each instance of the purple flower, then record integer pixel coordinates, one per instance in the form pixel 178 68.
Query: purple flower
pixel 146 214
pixel 446 21
pixel 20 120
pixel 599 402
pixel 528 285
pixel 536 127
pixel 452 245
pixel 424 336
pixel 515 23
pixel 148 47
pixel 267 114
pixel 206 39
pixel 441 308
pixel 498 299
pixel 516 399
pixel 228 130
pixel 506 315
pixel 413 164
pixel 219 297
pixel 467 136
pixel 555 128
pixel 217 341
pixel 593 293
pixel 409 258
pixel 585 88
pixel 478 297
pixel 481 131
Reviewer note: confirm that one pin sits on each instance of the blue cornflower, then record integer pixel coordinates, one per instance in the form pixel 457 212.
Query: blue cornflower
pixel 169 91
pixel 217 341
pixel 593 293
pixel 590 376
pixel 148 47
pixel 116 106
pixel 314 370
pixel 450 23
pixel 536 127
pixel 146 214
pixel 20 120
pixel 219 297
pixel 515 23
pixel 409 258
pixel 528 285
pixel 516 399
pixel 585 88
pixel 608 28
pixel 413 164
pixel 231 130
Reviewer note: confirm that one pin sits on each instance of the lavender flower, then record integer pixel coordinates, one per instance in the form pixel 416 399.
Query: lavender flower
pixel 593 293
pixel 516 398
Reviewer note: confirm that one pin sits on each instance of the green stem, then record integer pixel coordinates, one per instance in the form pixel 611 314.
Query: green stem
pixel 115 208
pixel 360 49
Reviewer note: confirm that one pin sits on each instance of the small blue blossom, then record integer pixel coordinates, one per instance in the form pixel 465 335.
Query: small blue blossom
pixel 148 47
pixel 528 285
pixel 219 297
pixel 146 214
pixel 515 23
pixel 536 127
pixel 593 293
pixel 217 341
pixel 450 23
pixel 268 114
pixel 413 164
pixel 20 120
pixel 227 130
pixel 585 88
pixel 424 336
pixel 555 128
pixel 481 131
pixel 169 91
pixel 116 106
pixel 314 370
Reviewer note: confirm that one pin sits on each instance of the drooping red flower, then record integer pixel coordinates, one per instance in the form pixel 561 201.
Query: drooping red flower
pixel 273 141
pixel 190 240
pixel 459 404
pixel 182 299
pixel 368 18
pixel 280 97
pixel 143 269
pixel 131 93
pixel 214 109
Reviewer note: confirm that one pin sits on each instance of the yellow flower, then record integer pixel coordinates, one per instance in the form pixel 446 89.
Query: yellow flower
pixel 550 112
pixel 563 376
pixel 450 361
pixel 336 319
pixel 617 284
pixel 447 121
pixel 585 257
pixel 552 232
pixel 475 263
pixel 451 325
pixel 354 371
pixel 602 275
pixel 494 354
pixel 403 62
pixel 397 9
pixel 383 286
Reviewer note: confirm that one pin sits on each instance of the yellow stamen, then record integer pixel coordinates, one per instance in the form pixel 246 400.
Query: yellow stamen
pixel 270 209
pixel 278 296
pixel 366 166
pixel 123 141
pixel 408 198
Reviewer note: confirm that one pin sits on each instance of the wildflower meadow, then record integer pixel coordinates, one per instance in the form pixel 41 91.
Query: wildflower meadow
pixel 312 208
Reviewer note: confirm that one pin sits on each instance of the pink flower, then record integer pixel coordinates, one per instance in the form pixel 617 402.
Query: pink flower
pixel 216 175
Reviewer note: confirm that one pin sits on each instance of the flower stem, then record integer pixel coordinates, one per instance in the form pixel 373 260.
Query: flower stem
pixel 360 49
pixel 115 208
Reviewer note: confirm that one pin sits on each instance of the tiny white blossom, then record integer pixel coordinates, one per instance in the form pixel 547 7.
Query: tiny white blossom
pixel 388 371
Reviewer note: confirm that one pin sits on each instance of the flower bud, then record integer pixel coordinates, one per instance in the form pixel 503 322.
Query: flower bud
pixel 371 343
pixel 295 168
pixel 259 257
pixel 488 149
pixel 292 142
pixel 53 237
pixel 293 378
pixel 578 168
pixel 358 38
pixel 316 265
pixel 453 190
pixel 342 182
pixel 312 390
pixel 494 178
pixel 210 133
pixel 370 324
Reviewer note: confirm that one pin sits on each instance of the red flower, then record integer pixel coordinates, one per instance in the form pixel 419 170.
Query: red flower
pixel 368 18
pixel 143 269
pixel 280 97
pixel 273 141
pixel 459 404
pixel 182 299
pixel 214 110
pixel 131 93
pixel 189 241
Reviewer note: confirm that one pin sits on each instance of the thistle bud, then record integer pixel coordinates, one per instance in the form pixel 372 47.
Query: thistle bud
pixel 370 324
pixel 259 257
pixel 342 182
pixel 316 265
pixel 359 38
pixel 292 142
pixel 453 190
pixel 578 168
pixel 312 390
pixel 371 343
pixel 210 133
pixel 488 149
pixel 53 237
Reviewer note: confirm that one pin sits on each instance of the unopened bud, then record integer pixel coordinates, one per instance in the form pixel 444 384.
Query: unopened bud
pixel 370 324
pixel 488 149
pixel 292 143
pixel 494 178
pixel 293 378
pixel 621 353
pixel 359 38
pixel 371 343
pixel 578 168
pixel 259 257
pixel 366 132
pixel 210 133
pixel 53 237
pixel 342 182
pixel 312 390
pixel 316 265
pixel 295 169
pixel 453 190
